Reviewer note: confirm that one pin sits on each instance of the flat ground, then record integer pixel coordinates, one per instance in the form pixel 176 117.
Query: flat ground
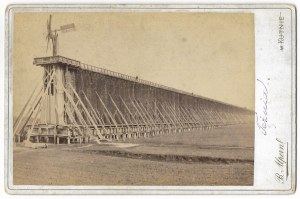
pixel 221 156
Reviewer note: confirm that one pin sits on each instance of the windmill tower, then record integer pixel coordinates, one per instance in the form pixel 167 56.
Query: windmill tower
pixel 55 110
pixel 44 112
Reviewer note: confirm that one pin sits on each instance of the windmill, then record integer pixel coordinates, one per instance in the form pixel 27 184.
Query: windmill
pixel 53 34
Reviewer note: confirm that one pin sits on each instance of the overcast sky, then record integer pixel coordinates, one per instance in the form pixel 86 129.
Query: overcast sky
pixel 209 54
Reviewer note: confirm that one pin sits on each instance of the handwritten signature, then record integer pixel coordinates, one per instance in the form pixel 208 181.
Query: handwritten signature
pixel 281 162
pixel 262 117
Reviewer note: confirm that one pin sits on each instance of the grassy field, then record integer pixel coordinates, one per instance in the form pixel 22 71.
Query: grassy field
pixel 208 157
pixel 228 136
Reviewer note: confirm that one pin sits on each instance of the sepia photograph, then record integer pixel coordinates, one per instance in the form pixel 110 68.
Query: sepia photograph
pixel 133 98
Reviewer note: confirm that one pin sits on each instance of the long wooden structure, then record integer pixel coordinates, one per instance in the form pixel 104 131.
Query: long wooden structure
pixel 78 102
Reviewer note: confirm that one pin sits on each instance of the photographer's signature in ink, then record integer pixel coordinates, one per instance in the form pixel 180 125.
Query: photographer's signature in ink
pixel 281 161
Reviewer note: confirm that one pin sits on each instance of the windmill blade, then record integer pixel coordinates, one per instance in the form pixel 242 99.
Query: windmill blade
pixel 50 19
pixel 47 44
pixel 49 32
pixel 49 26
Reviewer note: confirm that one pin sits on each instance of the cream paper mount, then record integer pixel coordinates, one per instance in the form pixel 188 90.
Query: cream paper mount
pixel 150 99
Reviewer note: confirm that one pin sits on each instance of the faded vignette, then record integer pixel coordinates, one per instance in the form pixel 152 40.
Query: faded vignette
pixel 152 48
